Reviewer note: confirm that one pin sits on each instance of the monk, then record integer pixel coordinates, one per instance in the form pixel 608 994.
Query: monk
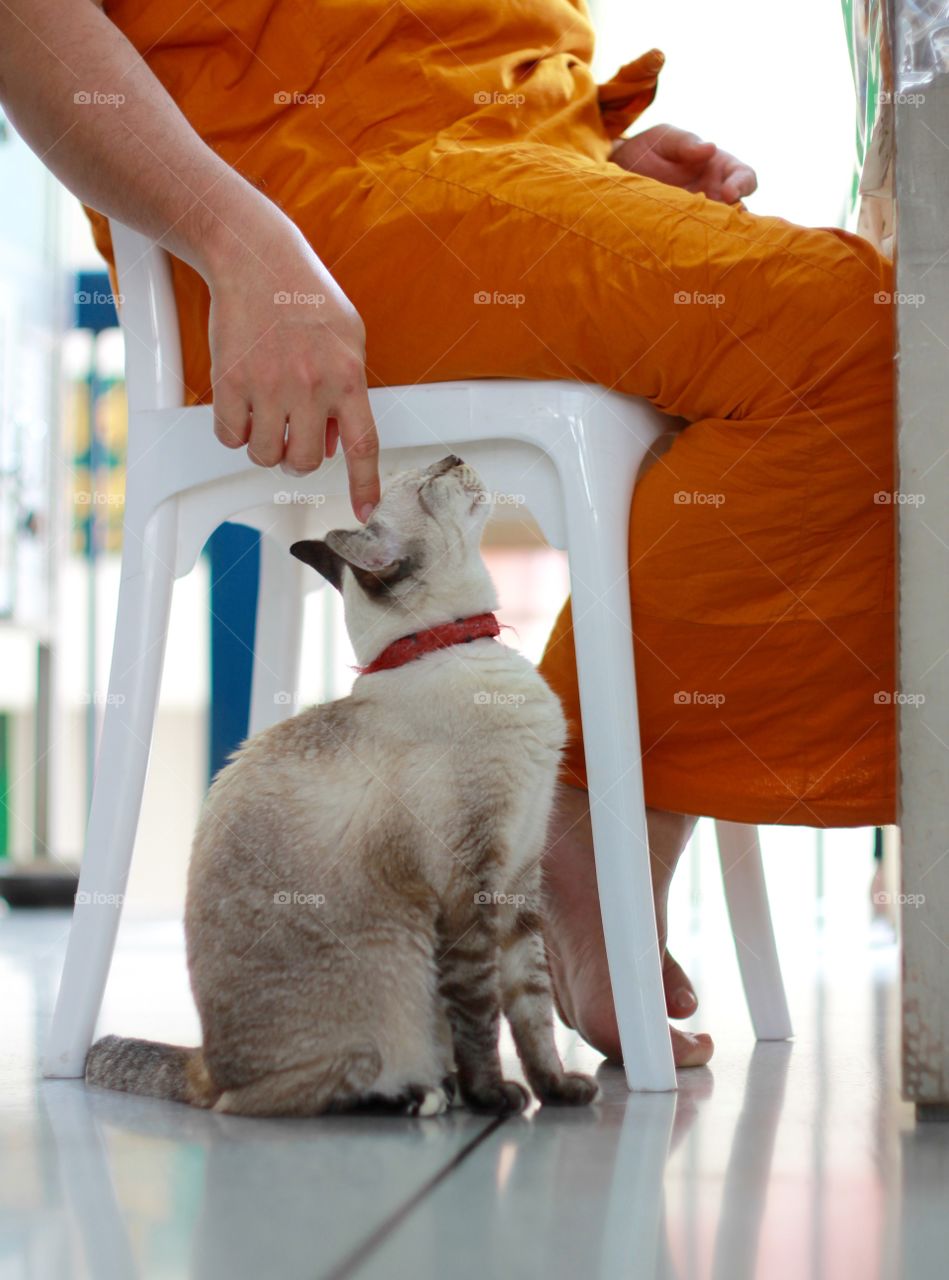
pixel 370 192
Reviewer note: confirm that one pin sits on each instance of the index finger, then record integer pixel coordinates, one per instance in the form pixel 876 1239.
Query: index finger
pixel 360 441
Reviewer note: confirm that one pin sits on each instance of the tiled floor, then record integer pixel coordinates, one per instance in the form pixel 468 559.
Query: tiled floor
pixel 782 1160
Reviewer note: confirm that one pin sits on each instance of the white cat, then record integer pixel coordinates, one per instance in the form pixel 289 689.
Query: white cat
pixel 364 891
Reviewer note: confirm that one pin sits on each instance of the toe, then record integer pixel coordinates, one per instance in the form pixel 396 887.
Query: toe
pixel 681 1000
pixel 691 1049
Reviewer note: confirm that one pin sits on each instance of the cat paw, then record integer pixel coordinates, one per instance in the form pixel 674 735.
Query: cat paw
pixel 424 1101
pixel 506 1097
pixel 572 1089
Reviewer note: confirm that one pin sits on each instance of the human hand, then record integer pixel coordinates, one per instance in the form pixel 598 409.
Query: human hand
pixel 681 159
pixel 288 362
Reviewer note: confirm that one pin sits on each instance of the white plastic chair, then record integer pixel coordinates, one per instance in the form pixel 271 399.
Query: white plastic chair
pixel 572 452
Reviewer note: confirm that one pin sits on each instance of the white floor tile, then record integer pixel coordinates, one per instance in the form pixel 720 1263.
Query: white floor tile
pixel 782 1160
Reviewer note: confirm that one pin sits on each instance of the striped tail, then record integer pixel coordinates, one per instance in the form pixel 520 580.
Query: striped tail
pixel 151 1069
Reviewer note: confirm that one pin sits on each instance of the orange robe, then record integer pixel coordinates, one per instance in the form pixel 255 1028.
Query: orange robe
pixel 435 153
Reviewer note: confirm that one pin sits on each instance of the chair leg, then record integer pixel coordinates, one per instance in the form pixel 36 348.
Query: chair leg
pixel 747 897
pixel 597 507
pixel 278 634
pixel 137 659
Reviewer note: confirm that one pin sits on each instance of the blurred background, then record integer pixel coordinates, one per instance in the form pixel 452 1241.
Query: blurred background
pixel 777 92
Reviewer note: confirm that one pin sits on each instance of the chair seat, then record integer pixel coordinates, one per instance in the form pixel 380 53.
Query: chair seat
pixel 515 433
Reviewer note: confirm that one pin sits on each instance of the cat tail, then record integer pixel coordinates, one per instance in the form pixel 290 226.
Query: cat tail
pixel 334 1081
pixel 151 1069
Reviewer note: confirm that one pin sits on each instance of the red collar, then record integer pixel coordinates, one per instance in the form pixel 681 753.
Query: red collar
pixel 408 648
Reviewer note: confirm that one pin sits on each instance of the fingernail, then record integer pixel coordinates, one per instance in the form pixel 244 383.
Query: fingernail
pixel 291 471
pixel 685 999
pixel 365 511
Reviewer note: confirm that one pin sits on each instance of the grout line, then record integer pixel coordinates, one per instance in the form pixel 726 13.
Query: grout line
pixel 349 1266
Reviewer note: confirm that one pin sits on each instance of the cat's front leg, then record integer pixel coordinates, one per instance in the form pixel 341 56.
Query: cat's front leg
pixel 528 1001
pixel 469 985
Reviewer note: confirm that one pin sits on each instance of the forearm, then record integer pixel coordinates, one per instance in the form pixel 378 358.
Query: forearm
pixel 87 103
pixel 288 377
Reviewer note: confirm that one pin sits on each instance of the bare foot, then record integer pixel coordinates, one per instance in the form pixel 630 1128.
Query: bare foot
pixel 575 947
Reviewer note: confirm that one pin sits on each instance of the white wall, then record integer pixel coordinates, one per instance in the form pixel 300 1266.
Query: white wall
pixel 768 82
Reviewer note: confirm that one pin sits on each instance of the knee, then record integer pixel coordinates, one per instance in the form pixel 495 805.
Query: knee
pixel 860 305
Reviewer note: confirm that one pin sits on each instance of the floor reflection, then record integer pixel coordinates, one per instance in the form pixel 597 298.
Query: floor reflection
pixel 781 1160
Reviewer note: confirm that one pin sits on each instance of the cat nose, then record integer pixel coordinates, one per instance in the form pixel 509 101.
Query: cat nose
pixel 446 464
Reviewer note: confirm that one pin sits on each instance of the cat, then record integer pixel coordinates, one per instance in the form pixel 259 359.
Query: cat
pixel 364 889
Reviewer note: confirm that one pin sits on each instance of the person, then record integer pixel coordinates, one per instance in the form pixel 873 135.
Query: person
pixel 367 193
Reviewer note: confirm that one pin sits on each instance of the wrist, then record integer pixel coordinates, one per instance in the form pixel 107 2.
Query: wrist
pixel 231 224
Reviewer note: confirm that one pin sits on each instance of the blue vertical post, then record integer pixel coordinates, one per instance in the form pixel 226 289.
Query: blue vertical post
pixel 234 554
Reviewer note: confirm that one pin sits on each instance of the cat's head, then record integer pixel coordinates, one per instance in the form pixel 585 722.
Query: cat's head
pixel 417 561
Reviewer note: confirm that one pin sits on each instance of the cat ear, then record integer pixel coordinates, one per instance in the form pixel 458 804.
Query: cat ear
pixel 372 548
pixel 377 560
pixel 322 558
pixel 372 554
